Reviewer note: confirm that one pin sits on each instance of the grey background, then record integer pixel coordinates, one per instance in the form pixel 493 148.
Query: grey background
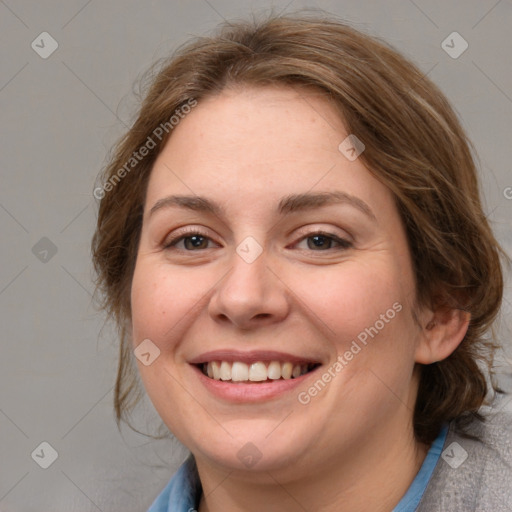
pixel 60 116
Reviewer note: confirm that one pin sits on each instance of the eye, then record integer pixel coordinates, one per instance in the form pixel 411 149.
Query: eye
pixel 322 241
pixel 192 240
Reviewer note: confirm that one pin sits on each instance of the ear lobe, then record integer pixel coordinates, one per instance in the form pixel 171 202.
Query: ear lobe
pixel 442 334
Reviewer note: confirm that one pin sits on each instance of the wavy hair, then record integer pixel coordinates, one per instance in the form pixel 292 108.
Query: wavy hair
pixel 415 145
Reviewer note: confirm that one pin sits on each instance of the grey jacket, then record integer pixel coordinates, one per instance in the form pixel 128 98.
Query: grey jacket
pixel 472 475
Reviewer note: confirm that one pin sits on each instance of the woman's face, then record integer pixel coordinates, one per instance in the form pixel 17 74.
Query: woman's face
pixel 266 250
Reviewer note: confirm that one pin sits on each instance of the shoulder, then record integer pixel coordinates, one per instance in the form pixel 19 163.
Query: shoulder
pixel 183 491
pixel 474 474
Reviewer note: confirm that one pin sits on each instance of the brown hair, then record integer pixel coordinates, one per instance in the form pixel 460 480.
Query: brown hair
pixel 414 144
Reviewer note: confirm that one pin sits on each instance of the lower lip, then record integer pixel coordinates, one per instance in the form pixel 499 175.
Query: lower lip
pixel 248 392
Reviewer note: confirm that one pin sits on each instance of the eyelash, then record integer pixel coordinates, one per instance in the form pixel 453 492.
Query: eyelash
pixel 343 243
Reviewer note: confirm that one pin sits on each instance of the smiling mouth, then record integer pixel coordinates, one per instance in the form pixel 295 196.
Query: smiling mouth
pixel 240 372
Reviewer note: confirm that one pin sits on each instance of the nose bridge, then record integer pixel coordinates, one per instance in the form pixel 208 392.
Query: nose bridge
pixel 249 292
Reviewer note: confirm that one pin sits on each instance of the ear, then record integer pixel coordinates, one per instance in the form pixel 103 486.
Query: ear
pixel 443 330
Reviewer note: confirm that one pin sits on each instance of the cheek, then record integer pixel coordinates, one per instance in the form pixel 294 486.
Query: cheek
pixel 352 296
pixel 365 314
pixel 164 301
pixel 153 299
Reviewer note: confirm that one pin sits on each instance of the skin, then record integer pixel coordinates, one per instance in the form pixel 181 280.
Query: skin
pixel 352 446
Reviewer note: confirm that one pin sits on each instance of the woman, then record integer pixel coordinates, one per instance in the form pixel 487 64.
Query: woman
pixel 291 240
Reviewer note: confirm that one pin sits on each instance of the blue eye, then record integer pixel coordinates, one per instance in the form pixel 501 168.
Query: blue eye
pixel 196 241
pixel 320 241
pixel 324 241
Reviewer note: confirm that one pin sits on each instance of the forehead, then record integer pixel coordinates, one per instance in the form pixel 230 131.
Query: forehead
pixel 257 142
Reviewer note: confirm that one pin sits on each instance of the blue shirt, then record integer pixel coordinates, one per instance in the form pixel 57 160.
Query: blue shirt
pixel 183 492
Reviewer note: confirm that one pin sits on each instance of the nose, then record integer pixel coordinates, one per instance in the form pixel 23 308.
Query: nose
pixel 250 294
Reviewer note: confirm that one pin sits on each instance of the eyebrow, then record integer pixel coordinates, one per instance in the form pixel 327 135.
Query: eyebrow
pixel 289 204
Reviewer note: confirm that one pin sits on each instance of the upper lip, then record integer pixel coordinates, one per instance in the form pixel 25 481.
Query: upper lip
pixel 252 356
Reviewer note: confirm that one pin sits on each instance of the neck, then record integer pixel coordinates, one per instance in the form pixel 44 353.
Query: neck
pixel 373 474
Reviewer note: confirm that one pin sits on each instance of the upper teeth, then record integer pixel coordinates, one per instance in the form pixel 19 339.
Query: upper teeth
pixel 237 371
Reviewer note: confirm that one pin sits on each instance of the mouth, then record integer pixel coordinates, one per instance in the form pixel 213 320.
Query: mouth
pixel 255 376
pixel 240 372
